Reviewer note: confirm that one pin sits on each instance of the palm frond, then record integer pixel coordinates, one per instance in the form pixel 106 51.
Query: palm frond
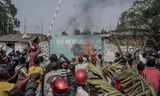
pixel 105 87
pixel 96 70
pixel 130 80
pixel 135 84
pixel 111 69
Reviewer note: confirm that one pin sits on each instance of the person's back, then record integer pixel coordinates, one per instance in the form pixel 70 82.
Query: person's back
pixel 142 58
pixel 36 69
pixel 23 71
pixel 5 87
pixel 152 75
pixel 81 65
pixel 49 77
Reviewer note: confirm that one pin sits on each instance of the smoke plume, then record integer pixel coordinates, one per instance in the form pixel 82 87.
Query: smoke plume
pixel 87 11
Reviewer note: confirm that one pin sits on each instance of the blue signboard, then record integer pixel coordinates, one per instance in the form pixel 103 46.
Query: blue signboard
pixel 79 45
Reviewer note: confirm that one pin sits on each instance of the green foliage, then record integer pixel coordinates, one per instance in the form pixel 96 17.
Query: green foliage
pixel 64 33
pixel 77 32
pixel 130 79
pixel 111 70
pixel 96 70
pixel 8 21
pixel 135 84
pixel 104 86
pixel 101 84
pixel 143 14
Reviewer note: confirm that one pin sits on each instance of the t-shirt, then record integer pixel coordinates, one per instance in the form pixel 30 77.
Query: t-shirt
pixel 81 66
pixel 39 70
pixel 35 69
pixel 152 76
pixel 49 77
pixel 81 92
pixel 142 59
pixel 32 57
pixel 23 72
pixel 5 88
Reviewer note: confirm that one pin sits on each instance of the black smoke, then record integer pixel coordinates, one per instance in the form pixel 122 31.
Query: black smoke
pixel 87 11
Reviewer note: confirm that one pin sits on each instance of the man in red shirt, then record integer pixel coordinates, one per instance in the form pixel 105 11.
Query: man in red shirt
pixel 152 75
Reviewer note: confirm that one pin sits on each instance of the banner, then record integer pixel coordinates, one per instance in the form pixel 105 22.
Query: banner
pixel 79 45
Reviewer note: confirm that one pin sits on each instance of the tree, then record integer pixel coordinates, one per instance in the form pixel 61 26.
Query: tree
pixel 64 33
pixel 144 15
pixel 77 32
pixel 8 21
pixel 86 32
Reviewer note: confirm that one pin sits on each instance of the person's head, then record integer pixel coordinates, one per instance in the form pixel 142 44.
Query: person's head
pixel 117 55
pixel 53 58
pixel 140 66
pixel 15 92
pixel 99 56
pixel 81 77
pixel 8 60
pixel 54 65
pixel 65 65
pixel 80 60
pixel 22 60
pixel 12 53
pixel 4 74
pixel 128 55
pixel 33 48
pixel 73 60
pixel 40 58
pixel 36 62
pixel 85 60
pixel 72 67
pixel 60 87
pixel 17 53
pixel 144 55
pixel 151 62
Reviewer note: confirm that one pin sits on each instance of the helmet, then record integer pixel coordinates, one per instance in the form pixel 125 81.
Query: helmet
pixel 60 86
pixel 81 77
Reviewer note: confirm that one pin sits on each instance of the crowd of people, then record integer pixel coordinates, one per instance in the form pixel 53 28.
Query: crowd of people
pixel 28 73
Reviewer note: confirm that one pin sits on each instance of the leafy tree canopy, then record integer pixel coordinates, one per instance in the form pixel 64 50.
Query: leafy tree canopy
pixel 8 21
pixel 143 14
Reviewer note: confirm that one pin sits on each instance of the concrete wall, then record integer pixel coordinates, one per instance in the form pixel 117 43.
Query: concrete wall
pixel 1 44
pixel 20 46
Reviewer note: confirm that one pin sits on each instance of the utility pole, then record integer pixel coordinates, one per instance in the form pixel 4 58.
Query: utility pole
pixel 110 25
pixel 42 26
pixel 25 25
pixel 75 25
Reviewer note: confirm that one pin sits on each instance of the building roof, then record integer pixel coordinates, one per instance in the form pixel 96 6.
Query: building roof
pixel 16 38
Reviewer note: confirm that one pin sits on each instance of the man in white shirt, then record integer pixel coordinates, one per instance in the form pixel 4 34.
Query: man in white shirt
pixel 81 92
pixel 81 79
pixel 82 65
pixel 142 58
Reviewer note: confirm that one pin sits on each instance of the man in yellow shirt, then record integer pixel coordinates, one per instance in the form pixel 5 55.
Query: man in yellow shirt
pixel 36 69
pixel 6 87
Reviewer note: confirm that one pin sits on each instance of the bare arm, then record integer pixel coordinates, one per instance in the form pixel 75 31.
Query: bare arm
pixel 21 83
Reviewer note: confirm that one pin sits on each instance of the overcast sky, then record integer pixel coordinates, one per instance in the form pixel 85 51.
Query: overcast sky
pixel 103 15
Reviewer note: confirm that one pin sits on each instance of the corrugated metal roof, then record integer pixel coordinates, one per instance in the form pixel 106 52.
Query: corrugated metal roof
pixel 16 38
